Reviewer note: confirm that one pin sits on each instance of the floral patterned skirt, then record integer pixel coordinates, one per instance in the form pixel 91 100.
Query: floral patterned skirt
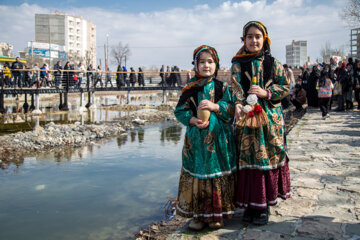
pixel 260 189
pixel 207 200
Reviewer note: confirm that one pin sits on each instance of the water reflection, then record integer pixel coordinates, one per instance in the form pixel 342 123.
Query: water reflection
pixel 100 191
pixel 133 136
pixel 121 140
pixel 172 133
pixel 141 134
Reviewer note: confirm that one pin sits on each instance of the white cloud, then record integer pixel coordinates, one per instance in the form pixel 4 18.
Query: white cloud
pixel 169 37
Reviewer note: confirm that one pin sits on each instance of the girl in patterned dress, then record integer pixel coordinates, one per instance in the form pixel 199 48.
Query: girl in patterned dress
pixel 206 186
pixel 258 84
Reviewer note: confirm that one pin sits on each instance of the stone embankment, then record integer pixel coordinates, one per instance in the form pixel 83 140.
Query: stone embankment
pixel 325 177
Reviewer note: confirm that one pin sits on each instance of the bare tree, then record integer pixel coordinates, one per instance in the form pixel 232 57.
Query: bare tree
pixel 88 58
pixel 120 53
pixel 351 13
pixel 327 51
pixel 31 60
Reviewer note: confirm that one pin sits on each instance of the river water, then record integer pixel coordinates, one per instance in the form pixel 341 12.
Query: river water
pixel 103 191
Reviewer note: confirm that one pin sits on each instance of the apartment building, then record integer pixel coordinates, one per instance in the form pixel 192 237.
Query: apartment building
pixel 296 53
pixel 75 34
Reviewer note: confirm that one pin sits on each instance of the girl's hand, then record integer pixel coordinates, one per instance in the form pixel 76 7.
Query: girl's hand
pixel 238 109
pixel 258 91
pixel 199 123
pixel 206 104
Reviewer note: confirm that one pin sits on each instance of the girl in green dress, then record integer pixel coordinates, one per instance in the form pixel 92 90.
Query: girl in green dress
pixel 206 186
pixel 258 85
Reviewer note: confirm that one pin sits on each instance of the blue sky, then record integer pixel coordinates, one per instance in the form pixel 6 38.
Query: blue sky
pixel 132 6
pixel 166 32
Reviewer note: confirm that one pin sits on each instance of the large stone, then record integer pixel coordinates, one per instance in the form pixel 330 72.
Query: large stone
pixel 306 193
pixel 308 182
pixel 253 234
pixel 338 214
pixel 295 207
pixel 320 228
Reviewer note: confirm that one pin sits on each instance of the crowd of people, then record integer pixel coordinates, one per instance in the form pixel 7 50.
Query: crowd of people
pixel 170 77
pixel 68 76
pixel 327 84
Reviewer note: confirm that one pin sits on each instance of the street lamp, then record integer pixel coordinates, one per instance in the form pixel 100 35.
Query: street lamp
pixel 107 51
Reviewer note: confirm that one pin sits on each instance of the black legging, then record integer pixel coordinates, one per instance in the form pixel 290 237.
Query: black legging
pixel 324 105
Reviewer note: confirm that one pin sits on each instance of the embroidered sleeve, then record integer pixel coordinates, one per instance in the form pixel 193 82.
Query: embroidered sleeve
pixel 281 84
pixel 237 90
pixel 183 113
pixel 226 107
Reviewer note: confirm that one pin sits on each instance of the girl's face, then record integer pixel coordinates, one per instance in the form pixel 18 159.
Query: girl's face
pixel 206 64
pixel 254 40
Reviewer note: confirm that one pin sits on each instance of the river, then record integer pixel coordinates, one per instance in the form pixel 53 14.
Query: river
pixel 104 191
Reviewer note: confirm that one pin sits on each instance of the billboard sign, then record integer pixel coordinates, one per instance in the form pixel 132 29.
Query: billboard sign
pixel 45 46
pixel 45 53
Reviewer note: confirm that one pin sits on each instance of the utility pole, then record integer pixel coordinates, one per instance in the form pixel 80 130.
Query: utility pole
pixel 105 55
pixel 49 44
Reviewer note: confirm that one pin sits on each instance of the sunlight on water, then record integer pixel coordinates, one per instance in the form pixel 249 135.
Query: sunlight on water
pixel 104 191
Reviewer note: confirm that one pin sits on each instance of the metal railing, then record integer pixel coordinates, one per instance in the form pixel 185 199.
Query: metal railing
pixel 43 78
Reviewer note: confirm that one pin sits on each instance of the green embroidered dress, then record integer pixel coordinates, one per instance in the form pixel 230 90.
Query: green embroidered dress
pixel 209 152
pixel 263 148
pixel 206 186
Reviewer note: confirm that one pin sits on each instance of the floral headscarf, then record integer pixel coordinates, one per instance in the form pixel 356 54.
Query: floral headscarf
pixel 213 53
pixel 200 81
pixel 243 55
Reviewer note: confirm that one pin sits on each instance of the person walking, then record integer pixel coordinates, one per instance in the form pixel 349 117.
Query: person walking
pixel 304 77
pixel 312 95
pixel 66 79
pixel 7 75
pixel 341 79
pixel 132 77
pixel 16 68
pixel 90 75
pixel 124 75
pixel 259 83
pixel 35 75
pixel 357 83
pixel 119 78
pixel 58 71
pixel 206 185
pixel 325 88
pixel 141 80
pixel 177 76
pixel 347 87
pixel 167 76
pixel 27 74
pixel 108 78
pixel 80 74
pixel 98 76
pixel 162 75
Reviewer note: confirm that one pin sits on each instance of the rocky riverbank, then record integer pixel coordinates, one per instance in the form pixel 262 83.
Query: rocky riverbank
pixel 51 137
